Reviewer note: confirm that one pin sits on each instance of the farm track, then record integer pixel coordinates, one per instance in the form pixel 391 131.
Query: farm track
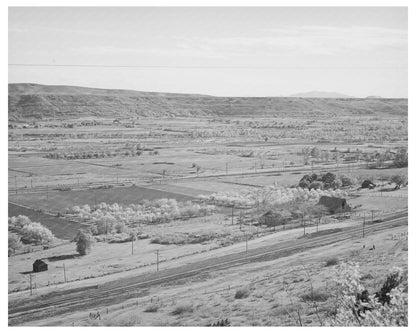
pixel 56 303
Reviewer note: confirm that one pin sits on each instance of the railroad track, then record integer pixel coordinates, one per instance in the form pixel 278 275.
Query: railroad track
pixel 56 303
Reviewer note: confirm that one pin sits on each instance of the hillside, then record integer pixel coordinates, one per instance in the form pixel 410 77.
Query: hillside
pixel 34 101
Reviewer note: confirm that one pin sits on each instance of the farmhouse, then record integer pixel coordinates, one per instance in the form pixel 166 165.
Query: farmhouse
pixel 334 205
pixel 40 266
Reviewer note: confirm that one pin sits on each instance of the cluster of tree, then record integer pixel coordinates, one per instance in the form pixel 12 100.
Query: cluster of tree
pixel 271 195
pixel 325 181
pixel 94 155
pixel 28 232
pixel 115 218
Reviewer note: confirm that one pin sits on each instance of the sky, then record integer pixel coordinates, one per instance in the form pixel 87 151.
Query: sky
pixel 222 51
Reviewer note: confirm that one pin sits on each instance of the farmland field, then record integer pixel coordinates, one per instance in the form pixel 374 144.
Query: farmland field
pixel 173 191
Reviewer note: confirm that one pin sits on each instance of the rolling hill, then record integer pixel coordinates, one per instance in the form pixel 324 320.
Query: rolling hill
pixel 34 102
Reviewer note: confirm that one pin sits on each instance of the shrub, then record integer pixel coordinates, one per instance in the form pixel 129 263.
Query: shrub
pixel 152 308
pixel 84 241
pixel 242 293
pixel 315 296
pixel 332 261
pixel 183 308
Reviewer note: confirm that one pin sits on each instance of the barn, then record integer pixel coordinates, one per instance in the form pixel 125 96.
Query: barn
pixel 334 205
pixel 273 218
pixel 40 266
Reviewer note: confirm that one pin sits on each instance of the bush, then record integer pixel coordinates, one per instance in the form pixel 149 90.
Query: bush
pixel 84 241
pixel 184 308
pixel 332 261
pixel 315 296
pixel 152 308
pixel 242 293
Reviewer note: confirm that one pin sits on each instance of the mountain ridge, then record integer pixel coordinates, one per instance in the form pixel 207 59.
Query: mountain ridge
pixel 29 101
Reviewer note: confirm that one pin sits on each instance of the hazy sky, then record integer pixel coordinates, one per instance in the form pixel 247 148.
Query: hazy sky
pixel 248 51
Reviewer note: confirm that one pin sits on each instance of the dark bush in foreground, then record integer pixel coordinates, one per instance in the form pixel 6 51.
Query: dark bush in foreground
pixel 332 262
pixel 184 308
pixel 242 293
pixel 315 296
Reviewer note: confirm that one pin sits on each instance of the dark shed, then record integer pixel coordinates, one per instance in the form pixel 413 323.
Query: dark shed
pixel 334 205
pixel 40 266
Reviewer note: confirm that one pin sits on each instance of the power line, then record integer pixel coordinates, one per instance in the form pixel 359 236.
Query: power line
pixel 200 67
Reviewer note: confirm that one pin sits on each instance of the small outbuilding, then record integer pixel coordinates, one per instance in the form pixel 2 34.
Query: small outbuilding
pixel 40 266
pixel 334 205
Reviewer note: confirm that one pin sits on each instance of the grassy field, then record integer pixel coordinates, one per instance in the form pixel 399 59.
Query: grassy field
pixel 60 227
pixel 58 201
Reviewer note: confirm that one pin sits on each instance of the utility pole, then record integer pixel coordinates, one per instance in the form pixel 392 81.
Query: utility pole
pixel 157 260
pixel 304 229
pixel 30 278
pixel 363 226
pixel 132 250
pixel 64 273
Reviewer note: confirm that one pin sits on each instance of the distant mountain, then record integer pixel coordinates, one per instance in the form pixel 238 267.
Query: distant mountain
pixel 321 94
pixel 374 96
pixel 29 101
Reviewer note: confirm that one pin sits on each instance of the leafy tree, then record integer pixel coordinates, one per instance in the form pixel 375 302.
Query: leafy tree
pixel 84 241
pixel 36 233
pixel 14 243
pixel 399 180
pixel 400 160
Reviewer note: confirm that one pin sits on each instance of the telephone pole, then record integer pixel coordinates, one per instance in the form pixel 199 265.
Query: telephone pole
pixel 304 229
pixel 363 226
pixel 132 250
pixel 64 273
pixel 30 278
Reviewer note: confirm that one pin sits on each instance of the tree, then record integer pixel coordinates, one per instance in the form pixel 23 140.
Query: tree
pixel 14 243
pixel 399 180
pixel 400 160
pixel 84 241
pixel 36 233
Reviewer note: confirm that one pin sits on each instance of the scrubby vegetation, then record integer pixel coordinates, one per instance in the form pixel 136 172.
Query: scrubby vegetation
pixel 357 307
